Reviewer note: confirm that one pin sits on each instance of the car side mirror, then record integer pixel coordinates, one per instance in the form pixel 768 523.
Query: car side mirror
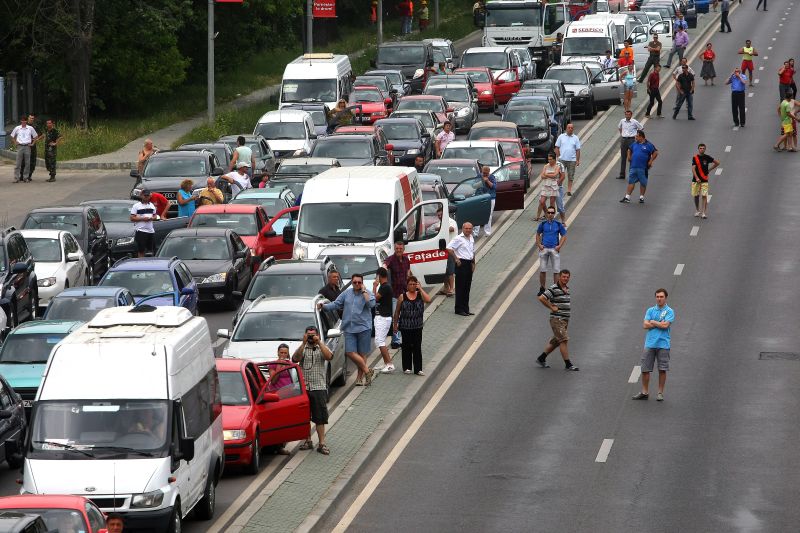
pixel 187 291
pixel 223 334
pixel 288 235
pixel 19 268
pixel 185 449
pixel 442 245
pixel 236 294
pixel 452 209
pixel 429 63
pixel 569 94
pixel 268 397
pixel 268 232
pixel 73 256
pixel 498 112
pixel 217 171
pixel 241 254
pixel 333 333
pixel 134 173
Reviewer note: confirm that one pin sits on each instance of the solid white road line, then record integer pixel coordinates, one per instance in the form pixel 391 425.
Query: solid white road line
pixel 605 449
pixel 718 172
pixel 678 269
pixel 695 231
pixel 728 148
pixel 635 373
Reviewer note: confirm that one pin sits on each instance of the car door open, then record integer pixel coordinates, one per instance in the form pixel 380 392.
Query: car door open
pixel 473 203
pixel 283 407
pixel 510 187
pixel 426 237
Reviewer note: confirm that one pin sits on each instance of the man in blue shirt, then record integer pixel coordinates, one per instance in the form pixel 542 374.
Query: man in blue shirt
pixel 657 321
pixel 641 156
pixel 551 235
pixel 738 83
pixel 356 303
pixel 490 183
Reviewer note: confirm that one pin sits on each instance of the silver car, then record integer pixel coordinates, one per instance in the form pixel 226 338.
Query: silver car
pixel 461 100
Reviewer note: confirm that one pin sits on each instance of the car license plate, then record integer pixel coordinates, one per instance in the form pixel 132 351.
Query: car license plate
pixel 27 403
pixel 173 202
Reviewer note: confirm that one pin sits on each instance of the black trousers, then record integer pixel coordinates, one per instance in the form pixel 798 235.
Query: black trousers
pixel 737 107
pixel 655 96
pixel 724 21
pixel 762 2
pixel 624 144
pixel 412 349
pixel 463 285
pixel 651 62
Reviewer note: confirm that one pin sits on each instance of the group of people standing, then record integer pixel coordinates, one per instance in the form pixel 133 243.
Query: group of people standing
pixel 25 138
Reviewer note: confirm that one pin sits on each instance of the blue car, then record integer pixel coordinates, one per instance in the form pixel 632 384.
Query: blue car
pixel 25 351
pixel 83 303
pixel 159 281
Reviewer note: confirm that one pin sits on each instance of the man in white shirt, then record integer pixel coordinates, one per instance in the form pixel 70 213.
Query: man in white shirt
pixel 462 248
pixel 568 151
pixel 143 213
pixel 23 137
pixel 445 137
pixel 627 127
pixel 239 180
pixel 609 61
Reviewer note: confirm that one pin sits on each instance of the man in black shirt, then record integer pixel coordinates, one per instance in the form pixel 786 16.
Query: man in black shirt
pixel 684 84
pixel 331 290
pixel 383 316
pixel 700 170
pixel 419 163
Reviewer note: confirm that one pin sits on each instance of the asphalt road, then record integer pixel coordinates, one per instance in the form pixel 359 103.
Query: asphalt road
pixel 513 447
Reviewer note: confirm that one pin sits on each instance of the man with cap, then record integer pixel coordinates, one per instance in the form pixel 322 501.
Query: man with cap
pixel 143 213
pixel 239 180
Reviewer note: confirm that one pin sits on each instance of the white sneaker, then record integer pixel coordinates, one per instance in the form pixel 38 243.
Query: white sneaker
pixel 407 372
pixel 388 369
pixel 697 213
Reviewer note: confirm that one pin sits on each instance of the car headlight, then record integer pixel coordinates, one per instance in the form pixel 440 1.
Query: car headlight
pixel 148 499
pixel 486 93
pixel 216 278
pixel 463 112
pixel 46 282
pixel 234 434
pixel 418 73
pixel 583 92
pixel 124 241
pixel 412 151
pixel 542 135
pixel 300 250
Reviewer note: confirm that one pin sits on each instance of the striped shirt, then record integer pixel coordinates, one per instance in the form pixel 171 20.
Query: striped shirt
pixel 314 368
pixel 560 298
pixel 142 209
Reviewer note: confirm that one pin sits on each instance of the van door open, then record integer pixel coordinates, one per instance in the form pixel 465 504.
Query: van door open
pixel 426 240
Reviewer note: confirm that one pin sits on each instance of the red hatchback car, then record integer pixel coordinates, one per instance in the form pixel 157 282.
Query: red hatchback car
pixel 491 91
pixel 259 411
pixel 59 512
pixel 373 103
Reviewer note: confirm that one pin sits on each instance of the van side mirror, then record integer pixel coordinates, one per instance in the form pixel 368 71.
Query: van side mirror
pixel 187 291
pixel 223 334
pixel 333 333
pixel 268 232
pixel 185 449
pixel 442 245
pixel 288 235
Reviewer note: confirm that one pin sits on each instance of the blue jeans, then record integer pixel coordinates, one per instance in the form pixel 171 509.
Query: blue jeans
pixel 688 98
pixel 560 199
pixel 397 338
pixel 406 25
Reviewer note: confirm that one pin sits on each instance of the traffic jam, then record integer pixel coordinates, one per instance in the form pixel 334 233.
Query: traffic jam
pixel 257 223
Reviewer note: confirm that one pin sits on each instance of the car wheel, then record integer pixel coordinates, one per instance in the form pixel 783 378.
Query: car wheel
pixel 205 507
pixel 175 525
pixel 255 459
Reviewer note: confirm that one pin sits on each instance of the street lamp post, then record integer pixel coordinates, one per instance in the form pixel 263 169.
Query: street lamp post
pixel 309 26
pixel 210 101
pixel 380 21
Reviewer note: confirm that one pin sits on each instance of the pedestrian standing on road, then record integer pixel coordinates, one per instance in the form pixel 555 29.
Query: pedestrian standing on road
pixel 685 87
pixel 557 48
pixel 568 151
pixel 161 203
pixel 406 9
pixel 187 199
pixel 609 61
pixel 356 304
pixel 680 23
pixel 115 523
pixel 242 153
pixel 679 69
pixel 557 300
pixel 654 92
pixel 738 83
pixel 52 139
pixel 724 7
pixel 629 86
pixel 408 319
pixel 399 267
pixel 419 163
pixel 748 52
pixel 627 127
pixel 211 194
pixel 34 155
pixel 238 179
pixel 679 44
pixel 551 236
pixel 658 322
pixel 23 137
pixel 626 55
pixel 702 165
pixel 332 288
pixel 462 248
pixel 311 355
pixel 445 137
pixel 552 173
pixel 143 213
pixel 641 156
pixel 794 85
pixel 654 57
pixel 144 154
pixel 708 72
pixel 383 316
pixel 759 4
pixel 785 79
pixel 490 184
pixel 785 111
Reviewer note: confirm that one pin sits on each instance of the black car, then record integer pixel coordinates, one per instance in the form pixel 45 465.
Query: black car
pixel 320 114
pixel 165 170
pixel 220 262
pixel 223 151
pixel 408 138
pixel 266 162
pixel 12 424
pixel 352 150
pixel 19 296
pixel 413 58
pixel 395 77
pixel 533 123
pixel 85 224
pixel 563 96
pixel 116 214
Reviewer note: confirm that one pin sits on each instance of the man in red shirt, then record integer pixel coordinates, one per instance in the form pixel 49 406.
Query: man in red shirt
pixel 399 268
pixel 653 81
pixel 161 203
pixel 785 78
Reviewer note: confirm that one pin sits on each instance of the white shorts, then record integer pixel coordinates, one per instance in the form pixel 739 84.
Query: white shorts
pixel 549 260
pixel 382 326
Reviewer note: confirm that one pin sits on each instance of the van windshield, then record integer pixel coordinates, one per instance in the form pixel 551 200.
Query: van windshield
pixel 493 60
pixel 401 55
pixel 586 46
pixel 272 326
pixel 29 349
pixel 100 429
pixel 323 90
pixel 281 131
pixel 345 222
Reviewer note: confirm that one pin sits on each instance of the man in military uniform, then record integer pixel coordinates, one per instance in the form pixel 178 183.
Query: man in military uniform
pixel 52 138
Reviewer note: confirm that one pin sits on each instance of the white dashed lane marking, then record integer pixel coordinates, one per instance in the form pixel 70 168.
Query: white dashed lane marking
pixel 718 172
pixel 695 231
pixel 728 148
pixel 605 449
pixel 678 269
pixel 756 80
pixel 636 372
pixel 769 48
pixel 749 95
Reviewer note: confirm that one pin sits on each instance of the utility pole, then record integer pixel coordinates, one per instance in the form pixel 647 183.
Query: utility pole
pixel 210 89
pixel 436 14
pixel 2 113
pixel 309 26
pixel 380 21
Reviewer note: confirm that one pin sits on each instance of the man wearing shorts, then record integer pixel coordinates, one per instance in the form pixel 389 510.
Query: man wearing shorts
pixel 657 322
pixel 557 300
pixel 383 316
pixel 143 213
pixel 747 52
pixel 788 118
pixel 551 235
pixel 312 354
pixel 702 164
pixel 641 156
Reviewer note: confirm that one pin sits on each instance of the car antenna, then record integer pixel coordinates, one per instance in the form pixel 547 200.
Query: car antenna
pixel 347 192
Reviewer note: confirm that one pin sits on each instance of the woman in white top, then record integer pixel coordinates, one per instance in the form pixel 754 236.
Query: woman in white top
pixel 551 175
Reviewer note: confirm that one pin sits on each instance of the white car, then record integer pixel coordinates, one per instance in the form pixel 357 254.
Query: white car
pixel 488 153
pixel 60 262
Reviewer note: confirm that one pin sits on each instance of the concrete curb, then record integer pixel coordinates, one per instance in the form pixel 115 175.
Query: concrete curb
pixel 69 165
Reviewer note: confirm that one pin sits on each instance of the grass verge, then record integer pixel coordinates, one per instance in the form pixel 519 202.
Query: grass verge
pixel 228 122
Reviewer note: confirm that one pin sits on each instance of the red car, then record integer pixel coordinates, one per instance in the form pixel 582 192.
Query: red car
pixel 259 411
pixel 374 105
pixel 515 151
pixel 59 512
pixel 491 91
pixel 426 102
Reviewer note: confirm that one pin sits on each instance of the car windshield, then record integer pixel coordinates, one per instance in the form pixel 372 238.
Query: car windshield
pixel 175 167
pixel 284 285
pixel 242 223
pixel 281 131
pixel 401 55
pixel 29 348
pixel 296 185
pixel 342 149
pixel 400 131
pixel 347 265
pixel 45 250
pixel 318 116
pixel 114 212
pixel 450 94
pixel 477 76
pixel 196 248
pixel 233 389
pixel 496 15
pixel 380 83
pixel 140 282
pixel 321 90
pixel 72 223
pixel 492 132
pixel 425 104
pixel 301 169
pixel 272 326
pixel 493 60
pixel 395 78
pixel 438 56
pixel 101 428
pixel 219 151
pixel 345 222
pixel 61 520
pixel 531 118
pixel 444 49
pixel 365 95
pixel 511 149
pixel 586 46
pixel 81 309
pixel 451 173
pixel 270 205
pixel 572 76
pixel 425 118
pixel 487 156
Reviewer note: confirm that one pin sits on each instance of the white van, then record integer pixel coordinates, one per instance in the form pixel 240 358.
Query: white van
pixel 289 132
pixel 129 415
pixel 588 40
pixel 359 207
pixel 316 78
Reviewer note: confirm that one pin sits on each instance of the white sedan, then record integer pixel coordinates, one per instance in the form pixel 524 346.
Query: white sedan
pixel 60 262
